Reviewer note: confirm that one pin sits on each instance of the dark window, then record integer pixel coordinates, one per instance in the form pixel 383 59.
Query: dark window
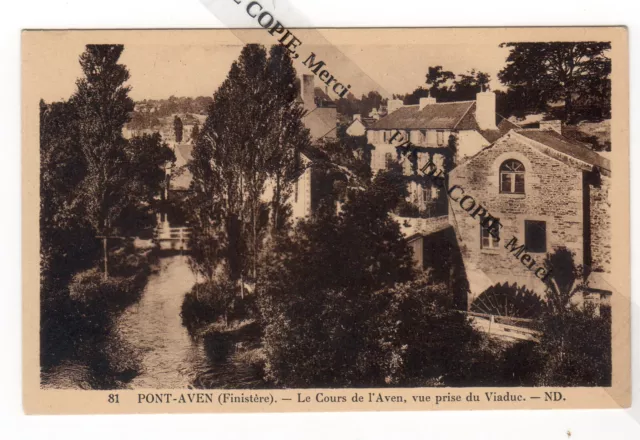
pixel 488 241
pixel 512 177
pixel 535 236
pixel 388 160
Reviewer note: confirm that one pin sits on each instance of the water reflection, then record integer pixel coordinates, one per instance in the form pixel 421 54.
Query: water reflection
pixel 148 346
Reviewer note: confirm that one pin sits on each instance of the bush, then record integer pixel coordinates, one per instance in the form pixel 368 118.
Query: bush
pixel 423 340
pixel 207 302
pixel 407 209
pixel 90 290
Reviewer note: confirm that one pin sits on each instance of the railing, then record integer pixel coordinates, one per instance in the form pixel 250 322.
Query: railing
pixel 173 238
pixel 490 324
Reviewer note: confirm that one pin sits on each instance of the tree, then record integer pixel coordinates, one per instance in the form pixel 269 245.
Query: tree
pixel 147 159
pixel 253 132
pixel 103 106
pixel 575 346
pixel 436 77
pixel 317 294
pixel 288 134
pixel 67 242
pixel 470 83
pixel 568 72
pixel 177 128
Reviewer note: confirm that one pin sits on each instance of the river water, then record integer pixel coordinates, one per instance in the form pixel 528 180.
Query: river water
pixel 156 344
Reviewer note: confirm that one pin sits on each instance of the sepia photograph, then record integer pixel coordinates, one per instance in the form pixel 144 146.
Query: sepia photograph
pixel 240 215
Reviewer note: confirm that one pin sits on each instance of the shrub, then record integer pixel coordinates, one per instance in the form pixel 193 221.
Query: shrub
pixel 90 289
pixel 423 340
pixel 207 302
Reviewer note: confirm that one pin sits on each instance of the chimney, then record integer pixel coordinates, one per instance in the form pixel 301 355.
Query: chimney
pixel 426 101
pixel 486 110
pixel 356 117
pixel 555 125
pixel 393 105
pixel 307 92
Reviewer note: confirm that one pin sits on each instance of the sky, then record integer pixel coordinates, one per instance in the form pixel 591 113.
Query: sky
pixel 160 67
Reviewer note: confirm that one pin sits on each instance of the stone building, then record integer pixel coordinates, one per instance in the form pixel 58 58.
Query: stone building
pixel 548 192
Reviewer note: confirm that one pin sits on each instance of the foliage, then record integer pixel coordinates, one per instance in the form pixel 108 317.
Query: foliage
pixel 253 132
pixel 446 347
pixel 67 242
pixel 575 346
pixel 576 73
pixel 317 294
pixel 103 105
pixel 147 157
pixel 351 105
pixel 207 302
pixel 446 86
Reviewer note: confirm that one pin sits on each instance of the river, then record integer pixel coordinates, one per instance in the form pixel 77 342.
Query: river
pixel 149 339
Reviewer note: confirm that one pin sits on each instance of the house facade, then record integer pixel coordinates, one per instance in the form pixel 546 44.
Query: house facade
pixel 547 192
pixel 431 127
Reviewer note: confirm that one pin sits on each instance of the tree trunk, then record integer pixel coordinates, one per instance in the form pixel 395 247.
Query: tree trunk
pixel 106 257
pixel 568 108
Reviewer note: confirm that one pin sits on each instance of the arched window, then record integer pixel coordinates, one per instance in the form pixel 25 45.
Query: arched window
pixel 512 177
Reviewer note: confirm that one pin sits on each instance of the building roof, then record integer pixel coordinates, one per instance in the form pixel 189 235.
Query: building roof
pixel 503 124
pixel 321 122
pixel 566 146
pixel 443 115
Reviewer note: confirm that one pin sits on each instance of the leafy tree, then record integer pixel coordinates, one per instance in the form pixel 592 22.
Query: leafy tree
pixel 288 135
pixel 67 242
pixel 451 352
pixel 575 346
pixel 147 158
pixel 470 83
pixel 445 86
pixel 253 132
pixel 436 78
pixel 561 71
pixel 177 128
pixel 102 107
pixel 318 296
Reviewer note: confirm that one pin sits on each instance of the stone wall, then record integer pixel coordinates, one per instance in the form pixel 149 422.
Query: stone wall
pixel 553 193
pixel 600 218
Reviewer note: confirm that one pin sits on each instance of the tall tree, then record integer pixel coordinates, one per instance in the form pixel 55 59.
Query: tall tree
pixel 318 290
pixel 103 106
pixel 253 132
pixel 177 128
pixel 67 242
pixel 288 135
pixel 568 72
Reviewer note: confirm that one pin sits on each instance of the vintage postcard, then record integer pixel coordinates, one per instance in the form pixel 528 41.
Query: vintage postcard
pixel 276 219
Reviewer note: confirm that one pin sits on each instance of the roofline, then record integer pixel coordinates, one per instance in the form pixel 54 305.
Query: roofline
pixel 464 114
pixel 588 166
